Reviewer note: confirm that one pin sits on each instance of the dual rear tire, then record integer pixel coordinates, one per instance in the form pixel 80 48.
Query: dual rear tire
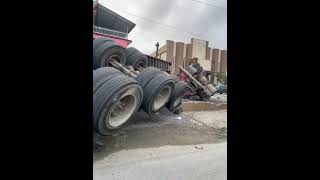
pixel 104 50
pixel 116 98
pixel 180 91
pixel 157 87
pixel 136 59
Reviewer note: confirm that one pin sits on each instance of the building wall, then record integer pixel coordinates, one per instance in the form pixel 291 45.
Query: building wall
pixel 179 53
pixel 188 54
pixel 223 61
pixel 199 48
pixel 163 56
pixel 170 51
pixel 208 54
pixel 162 49
pixel 205 64
pixel 215 59
pixel 184 54
pixel 179 56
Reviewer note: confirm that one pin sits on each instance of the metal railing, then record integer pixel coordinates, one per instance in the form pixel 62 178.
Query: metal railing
pixel 110 32
pixel 158 63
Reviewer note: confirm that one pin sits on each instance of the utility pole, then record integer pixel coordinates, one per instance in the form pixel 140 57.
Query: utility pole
pixel 157 50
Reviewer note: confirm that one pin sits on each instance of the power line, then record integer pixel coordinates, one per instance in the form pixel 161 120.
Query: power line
pixel 207 4
pixel 217 1
pixel 159 23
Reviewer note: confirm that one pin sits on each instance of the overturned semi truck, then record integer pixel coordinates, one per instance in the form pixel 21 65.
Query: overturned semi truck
pixel 124 84
pixel 123 81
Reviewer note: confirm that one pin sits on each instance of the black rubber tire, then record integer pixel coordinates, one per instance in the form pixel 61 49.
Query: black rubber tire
pixel 104 74
pixel 131 50
pixel 135 58
pixel 196 65
pixel 203 96
pixel 105 97
pixel 152 89
pixel 198 68
pixel 145 76
pixel 107 50
pixel 180 90
pixel 175 78
pixel 138 60
pixel 99 41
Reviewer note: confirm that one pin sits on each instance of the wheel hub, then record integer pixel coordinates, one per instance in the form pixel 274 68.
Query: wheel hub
pixel 123 108
pixel 162 97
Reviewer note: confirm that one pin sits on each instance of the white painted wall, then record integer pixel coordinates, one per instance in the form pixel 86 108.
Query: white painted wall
pixel 206 64
pixel 199 48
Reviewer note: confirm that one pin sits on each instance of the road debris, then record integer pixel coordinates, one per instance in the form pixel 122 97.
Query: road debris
pixel 99 143
pixel 115 134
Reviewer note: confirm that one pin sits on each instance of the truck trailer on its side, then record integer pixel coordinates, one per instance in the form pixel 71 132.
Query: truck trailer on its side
pixel 124 79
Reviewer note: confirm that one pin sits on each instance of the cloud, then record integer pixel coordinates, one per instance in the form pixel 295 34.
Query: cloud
pixel 178 20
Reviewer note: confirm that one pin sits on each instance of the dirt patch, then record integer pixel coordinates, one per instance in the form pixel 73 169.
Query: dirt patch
pixel 202 106
pixel 214 119
pixel 159 130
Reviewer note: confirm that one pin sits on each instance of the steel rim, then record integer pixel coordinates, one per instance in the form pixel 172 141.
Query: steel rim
pixel 177 101
pixel 115 57
pixel 162 98
pixel 123 109
pixel 140 65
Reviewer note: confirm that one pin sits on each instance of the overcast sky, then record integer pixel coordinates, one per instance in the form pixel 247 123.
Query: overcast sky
pixel 185 18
